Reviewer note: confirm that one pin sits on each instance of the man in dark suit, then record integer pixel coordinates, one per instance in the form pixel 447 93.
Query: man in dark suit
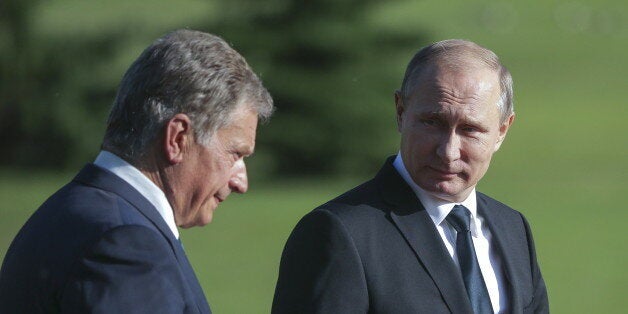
pixel 184 117
pixel 418 238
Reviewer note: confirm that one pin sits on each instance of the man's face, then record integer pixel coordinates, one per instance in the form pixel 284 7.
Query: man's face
pixel 208 174
pixel 450 127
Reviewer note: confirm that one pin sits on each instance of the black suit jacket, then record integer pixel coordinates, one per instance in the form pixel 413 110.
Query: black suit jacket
pixel 375 249
pixel 98 246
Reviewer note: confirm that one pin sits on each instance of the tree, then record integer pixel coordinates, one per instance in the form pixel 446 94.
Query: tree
pixel 330 74
pixel 52 108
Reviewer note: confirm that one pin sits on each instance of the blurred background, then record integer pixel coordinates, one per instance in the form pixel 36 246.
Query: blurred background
pixel 332 67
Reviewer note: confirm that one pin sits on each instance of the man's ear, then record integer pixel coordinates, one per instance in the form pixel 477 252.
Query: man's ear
pixel 178 135
pixel 503 130
pixel 398 108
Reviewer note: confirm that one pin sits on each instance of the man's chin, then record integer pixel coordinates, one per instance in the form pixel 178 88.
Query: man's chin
pixel 448 191
pixel 203 218
pixel 197 223
pixel 204 222
pixel 207 216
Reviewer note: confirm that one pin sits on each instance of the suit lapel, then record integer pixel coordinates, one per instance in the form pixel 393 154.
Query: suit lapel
pixel 416 226
pixel 498 222
pixel 188 272
pixel 95 176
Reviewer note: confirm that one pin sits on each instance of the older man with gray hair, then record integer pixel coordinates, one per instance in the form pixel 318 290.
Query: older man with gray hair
pixel 418 238
pixel 183 121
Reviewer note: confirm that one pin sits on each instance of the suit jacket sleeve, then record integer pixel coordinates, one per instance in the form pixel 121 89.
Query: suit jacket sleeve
pixel 320 269
pixel 130 269
pixel 540 303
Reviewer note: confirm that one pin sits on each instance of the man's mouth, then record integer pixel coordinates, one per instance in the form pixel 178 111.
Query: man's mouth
pixel 445 172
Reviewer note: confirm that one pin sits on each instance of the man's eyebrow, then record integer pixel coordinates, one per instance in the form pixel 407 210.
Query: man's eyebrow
pixel 442 114
pixel 433 113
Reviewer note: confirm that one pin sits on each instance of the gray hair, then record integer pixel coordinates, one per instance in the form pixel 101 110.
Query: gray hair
pixel 188 72
pixel 460 53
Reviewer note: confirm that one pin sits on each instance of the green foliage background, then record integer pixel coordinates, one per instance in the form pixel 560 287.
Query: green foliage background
pixel 332 67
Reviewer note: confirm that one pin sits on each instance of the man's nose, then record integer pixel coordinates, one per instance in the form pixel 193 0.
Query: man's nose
pixel 239 181
pixel 449 147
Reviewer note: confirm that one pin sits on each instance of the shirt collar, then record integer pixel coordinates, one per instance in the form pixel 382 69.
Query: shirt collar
pixel 437 208
pixel 141 183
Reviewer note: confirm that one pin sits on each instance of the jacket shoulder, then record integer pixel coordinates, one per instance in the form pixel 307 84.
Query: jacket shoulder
pixel 362 199
pixel 58 233
pixel 360 212
pixel 494 206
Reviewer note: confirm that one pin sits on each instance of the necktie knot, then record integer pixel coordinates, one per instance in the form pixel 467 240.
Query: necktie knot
pixel 459 218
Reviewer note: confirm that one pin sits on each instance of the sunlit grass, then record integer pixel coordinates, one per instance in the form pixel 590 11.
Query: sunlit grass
pixel 564 163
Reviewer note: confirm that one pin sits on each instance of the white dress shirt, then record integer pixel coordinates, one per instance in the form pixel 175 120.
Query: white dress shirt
pixel 489 260
pixel 141 183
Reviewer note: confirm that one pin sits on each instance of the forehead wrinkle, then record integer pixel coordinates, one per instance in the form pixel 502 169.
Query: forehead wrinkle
pixel 462 90
pixel 454 82
pixel 435 93
pixel 446 95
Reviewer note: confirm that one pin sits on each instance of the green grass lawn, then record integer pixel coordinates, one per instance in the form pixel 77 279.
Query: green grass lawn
pixel 577 223
pixel 564 163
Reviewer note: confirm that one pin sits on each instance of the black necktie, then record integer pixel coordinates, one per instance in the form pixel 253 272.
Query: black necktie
pixel 460 219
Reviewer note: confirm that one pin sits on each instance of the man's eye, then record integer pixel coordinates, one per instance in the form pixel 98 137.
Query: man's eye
pixel 430 122
pixel 470 129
